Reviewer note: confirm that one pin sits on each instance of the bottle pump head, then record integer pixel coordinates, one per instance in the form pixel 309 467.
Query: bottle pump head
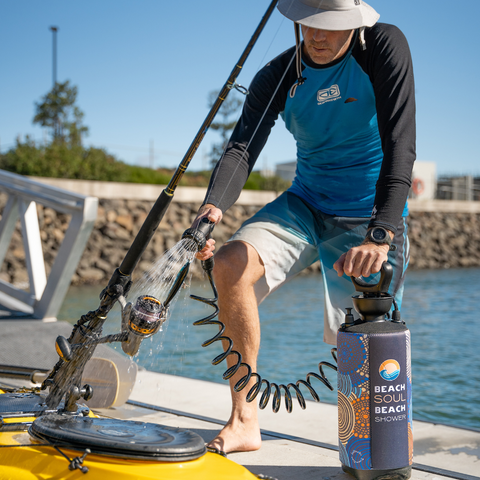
pixel 375 302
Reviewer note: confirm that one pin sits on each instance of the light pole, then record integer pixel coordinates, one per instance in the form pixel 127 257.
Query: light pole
pixel 54 54
pixel 54 75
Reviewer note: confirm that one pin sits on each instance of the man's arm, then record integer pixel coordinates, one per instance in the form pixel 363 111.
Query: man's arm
pixel 265 100
pixel 388 63
pixel 233 169
pixel 391 71
pixel 363 260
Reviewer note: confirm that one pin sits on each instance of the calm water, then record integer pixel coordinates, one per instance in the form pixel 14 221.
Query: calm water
pixel 440 308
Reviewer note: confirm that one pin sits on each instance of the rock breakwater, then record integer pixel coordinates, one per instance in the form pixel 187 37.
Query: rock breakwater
pixel 438 240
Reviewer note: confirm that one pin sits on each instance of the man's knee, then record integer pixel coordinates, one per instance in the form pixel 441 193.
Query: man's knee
pixel 238 262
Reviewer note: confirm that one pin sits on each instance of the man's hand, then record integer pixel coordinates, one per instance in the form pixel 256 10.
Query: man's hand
pixel 362 261
pixel 214 214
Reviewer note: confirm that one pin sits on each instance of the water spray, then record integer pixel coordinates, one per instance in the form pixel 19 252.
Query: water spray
pixel 65 378
pixel 147 316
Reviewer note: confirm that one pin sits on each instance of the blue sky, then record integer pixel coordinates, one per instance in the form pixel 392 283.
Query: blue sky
pixel 144 70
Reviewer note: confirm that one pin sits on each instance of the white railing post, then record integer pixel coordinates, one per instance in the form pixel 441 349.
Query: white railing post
pixel 32 244
pixel 45 295
pixel 67 259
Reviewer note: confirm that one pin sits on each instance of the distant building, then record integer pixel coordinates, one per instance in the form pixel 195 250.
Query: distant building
pixel 267 172
pixel 424 181
pixel 286 170
pixel 465 187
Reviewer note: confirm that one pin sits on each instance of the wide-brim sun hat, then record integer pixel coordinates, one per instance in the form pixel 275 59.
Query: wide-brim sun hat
pixel 329 14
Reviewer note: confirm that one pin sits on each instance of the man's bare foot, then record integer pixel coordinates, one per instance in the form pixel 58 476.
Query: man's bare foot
pixel 238 437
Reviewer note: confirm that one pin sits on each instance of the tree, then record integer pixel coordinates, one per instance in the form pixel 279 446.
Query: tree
pixel 226 124
pixel 58 111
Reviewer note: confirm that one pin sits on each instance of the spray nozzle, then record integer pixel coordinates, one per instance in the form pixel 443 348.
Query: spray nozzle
pixel 201 233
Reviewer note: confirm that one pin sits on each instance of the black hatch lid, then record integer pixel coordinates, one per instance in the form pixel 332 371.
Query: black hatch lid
pixel 122 438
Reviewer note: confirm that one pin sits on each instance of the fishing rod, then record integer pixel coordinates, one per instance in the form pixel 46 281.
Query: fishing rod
pixel 161 205
pixel 74 352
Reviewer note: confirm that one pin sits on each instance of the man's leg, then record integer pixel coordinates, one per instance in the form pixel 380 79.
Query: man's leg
pixel 237 269
pixel 270 248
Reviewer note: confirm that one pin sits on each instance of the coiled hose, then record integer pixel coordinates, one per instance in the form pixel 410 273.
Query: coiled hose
pixel 207 266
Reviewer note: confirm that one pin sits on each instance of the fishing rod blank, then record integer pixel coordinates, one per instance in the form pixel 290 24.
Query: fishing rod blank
pixel 161 205
pixel 66 376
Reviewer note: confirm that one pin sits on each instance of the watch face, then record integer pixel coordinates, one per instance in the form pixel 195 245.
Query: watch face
pixel 379 234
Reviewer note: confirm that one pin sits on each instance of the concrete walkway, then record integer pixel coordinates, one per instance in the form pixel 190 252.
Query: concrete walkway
pixel 297 446
pixel 300 445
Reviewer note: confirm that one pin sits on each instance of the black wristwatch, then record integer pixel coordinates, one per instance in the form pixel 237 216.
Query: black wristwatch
pixel 379 235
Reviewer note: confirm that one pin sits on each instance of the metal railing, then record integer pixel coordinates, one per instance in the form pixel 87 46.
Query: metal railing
pixel 44 297
pixel 465 188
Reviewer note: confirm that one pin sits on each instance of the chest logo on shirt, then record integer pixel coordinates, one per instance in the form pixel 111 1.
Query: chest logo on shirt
pixel 328 95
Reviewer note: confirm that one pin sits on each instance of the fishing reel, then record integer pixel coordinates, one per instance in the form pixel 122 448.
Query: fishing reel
pixel 141 321
pixel 147 316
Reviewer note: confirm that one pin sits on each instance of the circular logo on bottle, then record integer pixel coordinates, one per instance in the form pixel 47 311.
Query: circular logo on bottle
pixel 389 370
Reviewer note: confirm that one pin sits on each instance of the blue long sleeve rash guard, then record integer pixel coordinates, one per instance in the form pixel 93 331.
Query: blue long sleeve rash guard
pixel 354 124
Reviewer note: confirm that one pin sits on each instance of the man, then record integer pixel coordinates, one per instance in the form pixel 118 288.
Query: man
pixel 346 93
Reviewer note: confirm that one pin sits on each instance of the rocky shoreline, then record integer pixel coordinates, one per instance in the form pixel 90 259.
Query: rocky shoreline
pixel 438 239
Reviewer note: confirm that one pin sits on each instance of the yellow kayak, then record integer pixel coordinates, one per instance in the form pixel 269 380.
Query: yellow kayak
pixel 117 449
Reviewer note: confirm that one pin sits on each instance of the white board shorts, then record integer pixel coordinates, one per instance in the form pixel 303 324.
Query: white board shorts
pixel 290 235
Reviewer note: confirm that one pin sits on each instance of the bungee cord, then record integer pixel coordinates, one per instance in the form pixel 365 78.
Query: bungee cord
pixel 73 463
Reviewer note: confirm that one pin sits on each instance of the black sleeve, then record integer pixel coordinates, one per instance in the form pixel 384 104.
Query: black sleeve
pixel 265 100
pixel 388 63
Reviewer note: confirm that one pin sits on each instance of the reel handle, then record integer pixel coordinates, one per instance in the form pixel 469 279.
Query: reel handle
pixel 386 274
pixel 182 274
